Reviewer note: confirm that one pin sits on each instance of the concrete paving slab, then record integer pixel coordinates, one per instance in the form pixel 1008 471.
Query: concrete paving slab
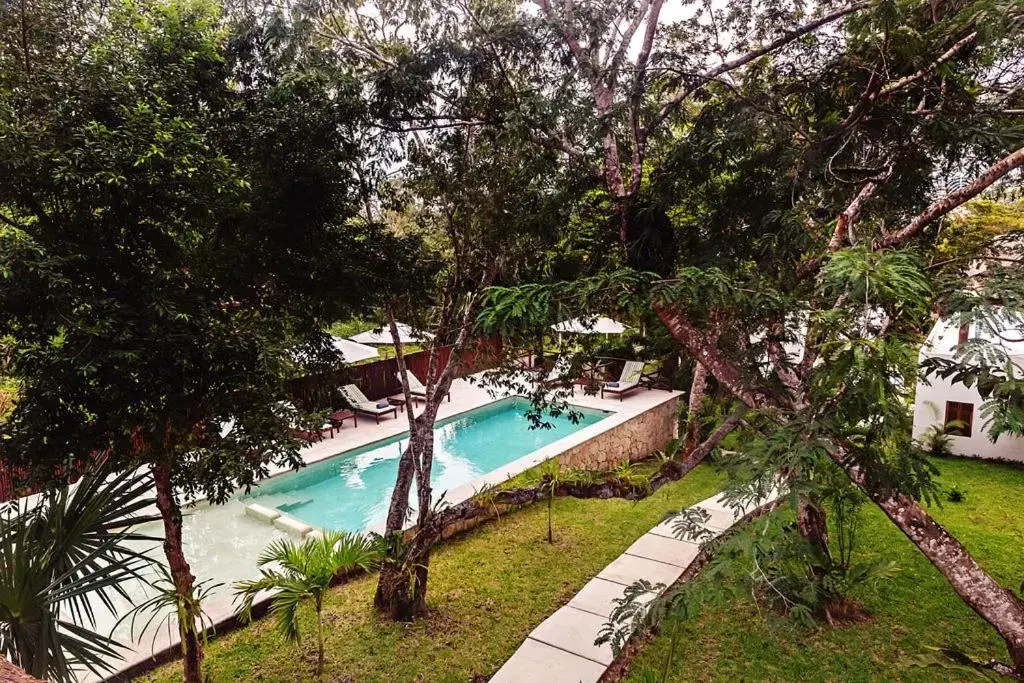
pixel 599 595
pixel 535 661
pixel 574 631
pixel 662 549
pixel 667 529
pixel 628 569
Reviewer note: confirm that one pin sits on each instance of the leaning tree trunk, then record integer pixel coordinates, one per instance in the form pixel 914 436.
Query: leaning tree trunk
pixel 181 574
pixel 993 603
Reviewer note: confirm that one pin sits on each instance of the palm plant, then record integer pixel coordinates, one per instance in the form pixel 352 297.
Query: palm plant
pixel 305 570
pixel 62 555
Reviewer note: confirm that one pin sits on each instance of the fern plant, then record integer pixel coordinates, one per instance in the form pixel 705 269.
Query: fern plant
pixel 629 476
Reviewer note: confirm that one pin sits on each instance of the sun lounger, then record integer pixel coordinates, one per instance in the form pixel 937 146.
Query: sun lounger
pixel 359 403
pixel 629 380
pixel 416 388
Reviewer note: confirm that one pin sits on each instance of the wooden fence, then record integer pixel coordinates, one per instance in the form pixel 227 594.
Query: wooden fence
pixel 380 378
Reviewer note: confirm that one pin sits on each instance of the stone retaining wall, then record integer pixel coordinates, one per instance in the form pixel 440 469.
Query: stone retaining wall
pixel 635 439
pixel 632 440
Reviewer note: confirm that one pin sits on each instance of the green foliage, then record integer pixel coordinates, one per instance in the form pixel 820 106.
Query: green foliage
pixel 170 238
pixel 889 279
pixel 62 557
pixel 628 475
pixel 299 571
pixel 936 441
pixel 956 494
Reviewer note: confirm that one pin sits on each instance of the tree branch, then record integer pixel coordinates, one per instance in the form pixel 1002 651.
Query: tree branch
pixel 848 218
pixel 892 87
pixel 952 200
pixel 699 345
pixel 702 80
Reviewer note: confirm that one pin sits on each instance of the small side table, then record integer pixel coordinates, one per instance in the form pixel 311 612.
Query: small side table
pixel 397 401
pixel 338 417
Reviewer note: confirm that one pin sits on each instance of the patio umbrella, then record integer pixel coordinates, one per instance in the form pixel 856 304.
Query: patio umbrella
pixel 353 352
pixel 406 335
pixel 594 324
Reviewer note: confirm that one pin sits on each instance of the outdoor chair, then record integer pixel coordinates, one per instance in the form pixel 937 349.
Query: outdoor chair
pixel 359 403
pixel 629 380
pixel 416 388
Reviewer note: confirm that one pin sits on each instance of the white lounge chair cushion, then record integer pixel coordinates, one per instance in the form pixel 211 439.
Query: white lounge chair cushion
pixel 360 402
pixel 630 377
pixel 415 385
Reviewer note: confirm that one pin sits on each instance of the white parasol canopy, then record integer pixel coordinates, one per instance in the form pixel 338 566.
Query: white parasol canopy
pixel 406 335
pixel 590 325
pixel 353 352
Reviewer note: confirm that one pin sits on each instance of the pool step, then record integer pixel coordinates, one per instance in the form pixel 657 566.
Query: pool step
pixel 280 521
pixel 263 514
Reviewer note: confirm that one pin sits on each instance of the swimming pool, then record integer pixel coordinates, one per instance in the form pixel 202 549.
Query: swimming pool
pixel 352 491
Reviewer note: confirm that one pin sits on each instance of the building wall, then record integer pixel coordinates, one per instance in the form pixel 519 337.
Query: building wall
pixel 930 409
pixel 632 440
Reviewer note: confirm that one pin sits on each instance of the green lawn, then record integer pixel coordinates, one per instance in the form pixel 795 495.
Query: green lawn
pixel 915 610
pixel 489 589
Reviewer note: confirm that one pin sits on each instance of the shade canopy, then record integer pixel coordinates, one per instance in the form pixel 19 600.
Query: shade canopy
pixel 406 335
pixel 353 352
pixel 590 325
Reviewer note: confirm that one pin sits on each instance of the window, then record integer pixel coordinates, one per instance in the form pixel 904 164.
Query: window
pixel 964 335
pixel 959 418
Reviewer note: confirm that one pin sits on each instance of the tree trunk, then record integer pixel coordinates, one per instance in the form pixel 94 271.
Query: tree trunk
pixel 181 574
pixel 993 603
pixel 551 502
pixel 812 524
pixel 402 585
pixel 698 386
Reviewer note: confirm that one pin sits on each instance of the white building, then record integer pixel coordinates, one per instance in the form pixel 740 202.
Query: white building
pixel 941 401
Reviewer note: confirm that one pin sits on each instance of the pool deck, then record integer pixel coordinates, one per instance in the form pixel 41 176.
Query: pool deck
pixel 465 396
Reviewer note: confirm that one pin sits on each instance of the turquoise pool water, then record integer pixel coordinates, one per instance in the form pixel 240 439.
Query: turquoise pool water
pixel 351 491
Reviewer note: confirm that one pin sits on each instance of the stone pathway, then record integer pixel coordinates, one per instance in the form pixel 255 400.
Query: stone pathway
pixel 562 650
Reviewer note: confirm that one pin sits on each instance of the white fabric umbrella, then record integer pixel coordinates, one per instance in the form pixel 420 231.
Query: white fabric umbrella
pixel 406 335
pixel 353 352
pixel 590 325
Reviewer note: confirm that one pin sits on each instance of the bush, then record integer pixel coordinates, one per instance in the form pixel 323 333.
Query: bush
pixel 955 494
pixel 936 442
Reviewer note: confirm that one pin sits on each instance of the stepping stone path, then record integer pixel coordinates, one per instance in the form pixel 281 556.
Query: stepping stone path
pixel 562 650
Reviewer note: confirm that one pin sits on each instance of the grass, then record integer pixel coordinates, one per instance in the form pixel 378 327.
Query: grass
pixel 914 611
pixel 488 590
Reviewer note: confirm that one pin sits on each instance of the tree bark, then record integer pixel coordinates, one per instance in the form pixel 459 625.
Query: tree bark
pixel 181 574
pixel 993 603
pixel 698 386
pixel 812 524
